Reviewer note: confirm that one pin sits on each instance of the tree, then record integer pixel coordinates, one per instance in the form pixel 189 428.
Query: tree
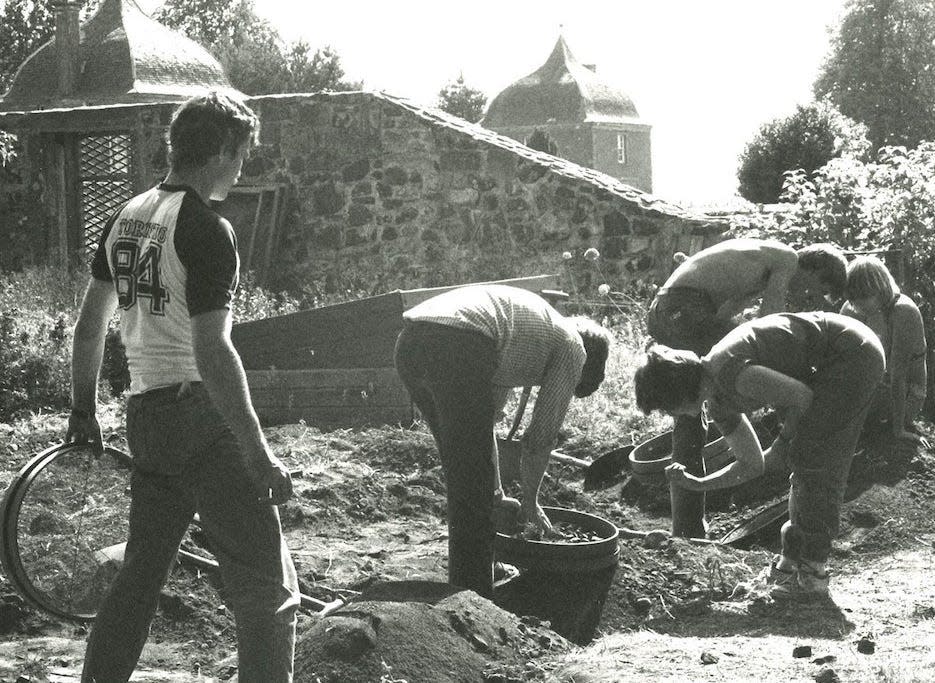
pixel 813 135
pixel 887 205
pixel 251 50
pixel 459 99
pixel 24 26
pixel 880 72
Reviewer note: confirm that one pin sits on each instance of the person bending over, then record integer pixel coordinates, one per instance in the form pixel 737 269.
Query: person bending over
pixel 819 371
pixel 873 297
pixel 703 299
pixel 460 354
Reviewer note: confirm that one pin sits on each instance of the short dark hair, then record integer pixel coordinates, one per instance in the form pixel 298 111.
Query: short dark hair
pixel 667 379
pixel 596 341
pixel 207 125
pixel 828 263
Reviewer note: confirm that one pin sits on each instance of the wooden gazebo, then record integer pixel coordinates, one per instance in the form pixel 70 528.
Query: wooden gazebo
pixel 91 107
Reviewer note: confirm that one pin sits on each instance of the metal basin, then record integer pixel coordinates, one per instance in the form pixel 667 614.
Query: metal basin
pixel 650 458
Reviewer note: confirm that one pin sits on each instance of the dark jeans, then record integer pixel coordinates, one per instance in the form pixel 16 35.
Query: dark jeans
pixel 448 373
pixel 823 448
pixel 686 318
pixel 186 460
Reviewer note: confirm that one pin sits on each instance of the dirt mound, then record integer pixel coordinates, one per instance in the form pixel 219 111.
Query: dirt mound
pixel 420 631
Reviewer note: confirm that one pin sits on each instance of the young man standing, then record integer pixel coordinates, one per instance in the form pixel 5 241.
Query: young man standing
pixel 170 263
pixel 701 302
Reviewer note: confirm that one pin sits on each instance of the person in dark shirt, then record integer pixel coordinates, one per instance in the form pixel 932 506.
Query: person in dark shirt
pixel 704 298
pixel 820 371
pixel 169 263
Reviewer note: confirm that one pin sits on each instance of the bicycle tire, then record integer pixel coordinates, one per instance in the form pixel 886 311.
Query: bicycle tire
pixel 52 533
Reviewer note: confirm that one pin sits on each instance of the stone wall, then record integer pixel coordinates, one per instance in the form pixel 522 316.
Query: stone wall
pixel 382 195
pixel 389 195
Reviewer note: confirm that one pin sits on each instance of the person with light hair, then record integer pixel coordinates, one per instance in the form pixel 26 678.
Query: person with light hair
pixel 874 298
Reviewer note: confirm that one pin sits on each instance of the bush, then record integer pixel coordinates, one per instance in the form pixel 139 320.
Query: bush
pixel 38 310
pixel 252 302
pixel 806 140
pixel 887 206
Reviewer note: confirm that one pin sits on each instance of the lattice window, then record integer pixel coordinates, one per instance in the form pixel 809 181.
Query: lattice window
pixel 104 170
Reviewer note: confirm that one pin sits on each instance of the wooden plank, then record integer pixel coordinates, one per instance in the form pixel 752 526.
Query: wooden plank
pixel 258 216
pixel 332 397
pixel 536 283
pixel 269 238
pixel 358 386
pixel 358 333
pixel 353 334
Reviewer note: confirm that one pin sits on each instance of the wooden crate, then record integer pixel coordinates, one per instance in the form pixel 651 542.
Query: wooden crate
pixel 333 366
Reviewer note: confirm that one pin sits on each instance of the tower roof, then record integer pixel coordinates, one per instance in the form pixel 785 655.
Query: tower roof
pixel 123 57
pixel 560 91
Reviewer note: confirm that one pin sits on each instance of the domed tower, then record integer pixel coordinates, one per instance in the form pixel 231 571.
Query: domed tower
pixel 588 121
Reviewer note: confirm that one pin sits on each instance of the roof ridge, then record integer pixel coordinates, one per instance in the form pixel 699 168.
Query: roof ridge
pixel 563 167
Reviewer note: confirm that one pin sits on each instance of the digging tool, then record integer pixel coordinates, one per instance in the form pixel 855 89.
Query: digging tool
pixel 633 533
pixel 115 554
pixel 322 608
pixel 602 472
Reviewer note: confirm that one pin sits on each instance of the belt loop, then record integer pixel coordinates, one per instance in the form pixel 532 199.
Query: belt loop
pixel 183 390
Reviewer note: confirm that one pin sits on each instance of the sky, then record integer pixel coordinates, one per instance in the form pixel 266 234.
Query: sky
pixel 706 74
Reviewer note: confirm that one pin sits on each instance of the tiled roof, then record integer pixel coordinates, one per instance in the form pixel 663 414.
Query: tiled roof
pixel 124 58
pixel 556 165
pixel 561 91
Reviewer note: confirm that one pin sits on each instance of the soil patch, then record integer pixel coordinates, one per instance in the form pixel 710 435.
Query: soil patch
pixel 421 631
pixel 370 508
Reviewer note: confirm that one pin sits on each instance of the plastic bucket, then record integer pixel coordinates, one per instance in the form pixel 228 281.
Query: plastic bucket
pixel 563 583
pixel 563 556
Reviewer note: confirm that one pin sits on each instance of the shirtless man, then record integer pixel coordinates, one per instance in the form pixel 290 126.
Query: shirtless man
pixel 700 303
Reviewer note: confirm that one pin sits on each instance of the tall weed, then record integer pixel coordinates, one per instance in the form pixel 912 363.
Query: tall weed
pixel 37 314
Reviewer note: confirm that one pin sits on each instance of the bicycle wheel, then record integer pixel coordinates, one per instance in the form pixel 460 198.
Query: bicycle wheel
pixel 64 523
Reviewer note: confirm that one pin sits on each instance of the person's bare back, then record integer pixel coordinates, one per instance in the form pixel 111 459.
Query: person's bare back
pixel 734 272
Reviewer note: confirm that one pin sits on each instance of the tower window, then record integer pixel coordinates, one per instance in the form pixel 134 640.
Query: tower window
pixel 621 148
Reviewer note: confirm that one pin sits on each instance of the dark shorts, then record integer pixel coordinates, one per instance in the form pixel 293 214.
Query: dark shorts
pixel 686 318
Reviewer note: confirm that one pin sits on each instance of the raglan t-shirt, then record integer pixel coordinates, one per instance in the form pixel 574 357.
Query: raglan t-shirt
pixel 170 257
pixel 536 345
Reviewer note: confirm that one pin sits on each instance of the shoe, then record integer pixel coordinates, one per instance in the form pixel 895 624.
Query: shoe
pixel 807 585
pixel 779 577
pixel 503 572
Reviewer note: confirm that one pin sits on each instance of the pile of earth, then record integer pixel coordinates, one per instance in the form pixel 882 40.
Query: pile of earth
pixel 422 631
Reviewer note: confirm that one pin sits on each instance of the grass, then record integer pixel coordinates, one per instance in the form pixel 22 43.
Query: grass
pixel 39 306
